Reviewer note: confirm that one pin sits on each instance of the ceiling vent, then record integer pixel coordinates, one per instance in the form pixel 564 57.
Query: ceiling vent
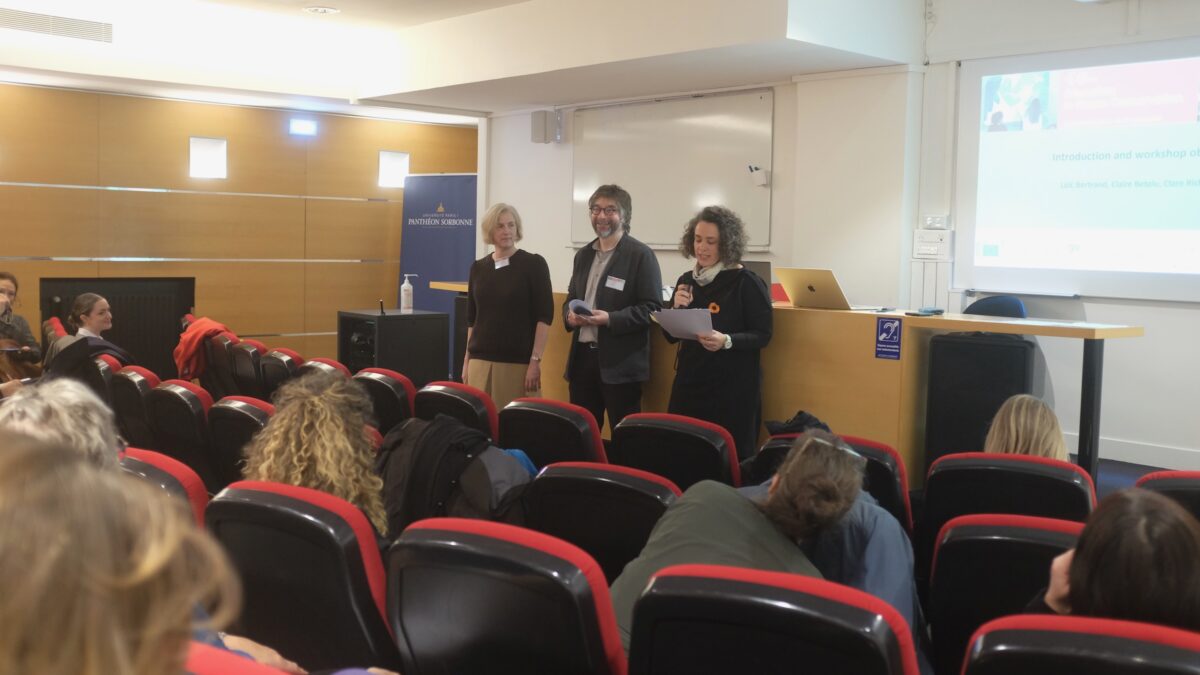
pixel 61 26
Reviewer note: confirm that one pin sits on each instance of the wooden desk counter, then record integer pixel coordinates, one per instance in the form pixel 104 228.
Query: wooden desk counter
pixel 824 361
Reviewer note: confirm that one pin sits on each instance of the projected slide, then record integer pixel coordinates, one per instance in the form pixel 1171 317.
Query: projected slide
pixel 1091 169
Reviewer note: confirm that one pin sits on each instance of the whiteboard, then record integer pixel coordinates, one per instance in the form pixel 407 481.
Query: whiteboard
pixel 676 157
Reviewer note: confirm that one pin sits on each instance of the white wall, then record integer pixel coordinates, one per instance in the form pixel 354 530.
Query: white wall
pixel 856 177
pixel 1151 398
pixel 536 178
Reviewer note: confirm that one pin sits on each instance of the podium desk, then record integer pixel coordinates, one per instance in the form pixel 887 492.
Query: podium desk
pixel 458 346
pixel 823 361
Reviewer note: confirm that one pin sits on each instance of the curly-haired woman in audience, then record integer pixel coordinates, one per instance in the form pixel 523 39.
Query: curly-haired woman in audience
pixel 1135 560
pixel 101 574
pixel 317 439
pixel 1025 425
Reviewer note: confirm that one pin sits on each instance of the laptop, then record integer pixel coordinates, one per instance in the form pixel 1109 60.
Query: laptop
pixel 813 288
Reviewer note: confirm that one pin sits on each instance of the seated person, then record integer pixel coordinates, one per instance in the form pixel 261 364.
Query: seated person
pixel 108 572
pixel 316 439
pixel 14 329
pixel 868 550
pixel 90 316
pixel 65 413
pixel 1135 560
pixel 713 524
pixel 1025 425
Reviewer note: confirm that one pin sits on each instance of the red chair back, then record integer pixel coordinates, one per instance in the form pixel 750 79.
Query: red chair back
pixel 684 449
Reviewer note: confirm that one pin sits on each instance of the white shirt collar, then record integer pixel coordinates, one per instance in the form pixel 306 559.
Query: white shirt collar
pixel 83 332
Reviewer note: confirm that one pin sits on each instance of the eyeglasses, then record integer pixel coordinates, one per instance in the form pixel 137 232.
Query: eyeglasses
pixel 607 210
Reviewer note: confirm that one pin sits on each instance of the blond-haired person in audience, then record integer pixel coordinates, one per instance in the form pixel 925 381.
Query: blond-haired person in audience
pixel 100 573
pixel 317 439
pixel 1025 425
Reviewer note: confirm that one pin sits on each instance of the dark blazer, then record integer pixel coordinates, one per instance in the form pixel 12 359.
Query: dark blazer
pixel 625 342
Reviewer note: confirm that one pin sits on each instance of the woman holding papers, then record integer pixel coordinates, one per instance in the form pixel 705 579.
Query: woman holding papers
pixel 509 311
pixel 717 375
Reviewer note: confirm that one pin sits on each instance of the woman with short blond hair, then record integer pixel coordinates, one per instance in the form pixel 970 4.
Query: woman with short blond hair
pixel 1025 425
pixel 509 311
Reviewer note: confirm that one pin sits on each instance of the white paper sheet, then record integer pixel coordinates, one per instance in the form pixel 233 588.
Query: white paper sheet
pixel 684 324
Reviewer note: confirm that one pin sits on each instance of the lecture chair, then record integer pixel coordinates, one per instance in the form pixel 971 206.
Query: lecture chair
pixel 551 431
pixel 97 374
pixel 391 395
pixel 713 619
pixel 976 482
pixel 683 449
pixel 130 387
pixel 178 413
pixel 278 366
pixel 311 571
pixel 1182 486
pixel 1009 306
pixel 508 599
pixel 986 566
pixel 324 365
pixel 1071 645
pixel 218 373
pixel 885 478
pixel 170 475
pixel 604 509
pixel 469 405
pixel 245 357
pixel 232 423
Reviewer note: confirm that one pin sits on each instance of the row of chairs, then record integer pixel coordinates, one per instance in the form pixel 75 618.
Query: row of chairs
pixel 473 596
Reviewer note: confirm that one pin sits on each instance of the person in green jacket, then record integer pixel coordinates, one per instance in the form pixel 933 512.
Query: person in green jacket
pixel 712 524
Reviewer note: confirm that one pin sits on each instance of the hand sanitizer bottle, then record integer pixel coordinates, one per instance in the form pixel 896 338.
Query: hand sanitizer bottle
pixel 406 295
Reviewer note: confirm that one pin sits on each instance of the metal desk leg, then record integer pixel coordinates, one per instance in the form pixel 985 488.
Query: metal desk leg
pixel 1089 406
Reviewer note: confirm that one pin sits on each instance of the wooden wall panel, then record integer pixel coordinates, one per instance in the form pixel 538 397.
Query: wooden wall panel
pixel 227 226
pixel 37 221
pixel 330 287
pixel 184 225
pixel 246 297
pixel 353 230
pixel 144 143
pixel 346 161
pixel 47 135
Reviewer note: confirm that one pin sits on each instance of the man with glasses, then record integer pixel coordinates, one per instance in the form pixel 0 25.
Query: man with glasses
pixel 617 278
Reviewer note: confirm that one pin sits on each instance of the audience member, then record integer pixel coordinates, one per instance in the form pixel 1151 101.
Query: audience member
pixel 717 375
pixel 101 574
pixel 509 311
pixel 317 439
pixel 618 279
pixel 1025 425
pixel 65 413
pixel 13 327
pixel 1135 560
pixel 713 524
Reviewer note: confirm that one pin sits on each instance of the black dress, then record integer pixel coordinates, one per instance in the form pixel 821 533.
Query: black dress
pixel 725 386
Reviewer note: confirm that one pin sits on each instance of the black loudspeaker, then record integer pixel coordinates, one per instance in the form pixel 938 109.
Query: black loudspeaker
pixel 970 376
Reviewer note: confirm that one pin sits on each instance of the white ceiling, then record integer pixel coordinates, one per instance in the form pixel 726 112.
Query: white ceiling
pixel 391 14
pixel 708 69
pixel 273 53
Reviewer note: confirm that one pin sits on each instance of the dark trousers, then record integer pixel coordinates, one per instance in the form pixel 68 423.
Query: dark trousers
pixel 588 391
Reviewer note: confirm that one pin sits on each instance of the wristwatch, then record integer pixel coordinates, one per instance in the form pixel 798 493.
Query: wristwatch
pixel 534 357
pixel 728 341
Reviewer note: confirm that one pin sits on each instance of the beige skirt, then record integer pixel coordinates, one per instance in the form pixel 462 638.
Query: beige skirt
pixel 504 382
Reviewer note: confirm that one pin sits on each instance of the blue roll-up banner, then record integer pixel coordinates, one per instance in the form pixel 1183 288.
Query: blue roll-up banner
pixel 438 239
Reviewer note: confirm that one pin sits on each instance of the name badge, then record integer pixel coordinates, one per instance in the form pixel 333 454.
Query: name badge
pixel 615 283
pixel 503 262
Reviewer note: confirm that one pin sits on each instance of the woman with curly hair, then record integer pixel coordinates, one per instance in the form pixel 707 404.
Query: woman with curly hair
pixel 717 375
pixel 317 439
